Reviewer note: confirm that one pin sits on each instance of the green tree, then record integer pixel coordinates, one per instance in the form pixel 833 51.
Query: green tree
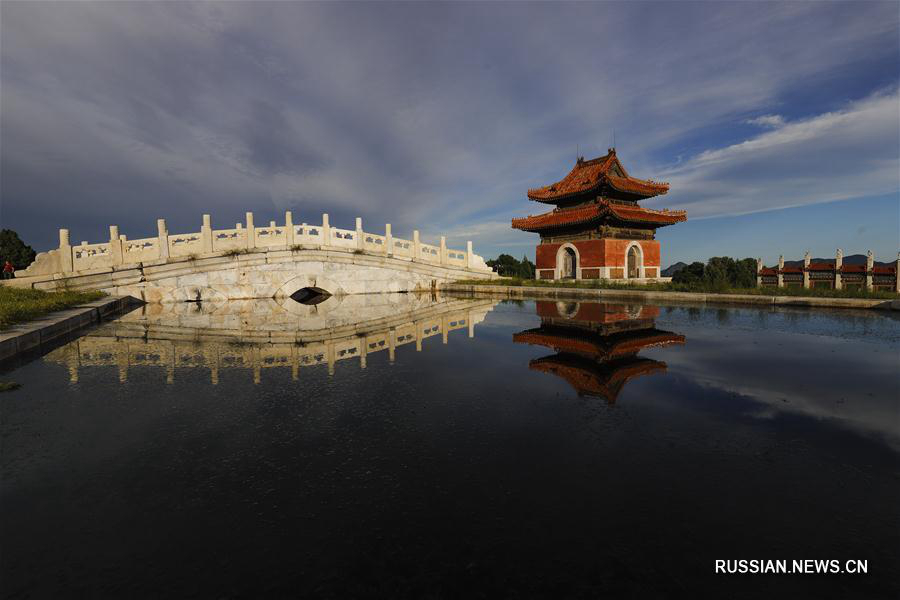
pixel 718 273
pixel 745 273
pixel 691 274
pixel 526 268
pixel 14 250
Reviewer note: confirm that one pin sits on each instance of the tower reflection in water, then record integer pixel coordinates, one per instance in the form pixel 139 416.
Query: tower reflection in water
pixel 597 344
pixel 265 334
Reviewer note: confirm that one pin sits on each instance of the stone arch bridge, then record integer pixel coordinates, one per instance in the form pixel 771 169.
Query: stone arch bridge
pixel 249 261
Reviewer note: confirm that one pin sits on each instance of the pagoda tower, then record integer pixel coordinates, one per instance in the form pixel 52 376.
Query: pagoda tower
pixel 597 230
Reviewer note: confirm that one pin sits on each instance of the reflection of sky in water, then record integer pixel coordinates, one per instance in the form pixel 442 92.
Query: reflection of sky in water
pixel 769 434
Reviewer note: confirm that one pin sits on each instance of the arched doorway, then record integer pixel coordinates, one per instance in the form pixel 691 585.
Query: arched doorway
pixel 568 264
pixel 634 262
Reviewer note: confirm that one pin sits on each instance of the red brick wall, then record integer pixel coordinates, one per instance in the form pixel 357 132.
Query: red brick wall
pixel 598 253
pixel 651 252
pixel 591 253
pixel 545 256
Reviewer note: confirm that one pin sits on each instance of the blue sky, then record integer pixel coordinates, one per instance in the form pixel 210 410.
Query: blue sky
pixel 777 125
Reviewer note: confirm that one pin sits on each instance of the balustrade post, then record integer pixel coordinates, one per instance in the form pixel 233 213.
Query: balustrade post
pixel 417 249
pixel 115 245
pixel 759 265
pixel 780 271
pixel 288 229
pixel 420 334
pixel 443 250
pixel 206 236
pixel 326 231
pixel 163 237
pixel 469 256
pixel 388 240
pixel 806 261
pixel 897 275
pixel 838 264
pixel 65 251
pixel 870 265
pixel 251 231
pixel 360 242
pixel 392 344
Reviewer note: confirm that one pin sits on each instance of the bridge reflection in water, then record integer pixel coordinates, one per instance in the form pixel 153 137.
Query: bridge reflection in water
pixel 597 344
pixel 265 334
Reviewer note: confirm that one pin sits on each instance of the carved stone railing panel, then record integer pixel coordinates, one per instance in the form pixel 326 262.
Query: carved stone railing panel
pixel 267 237
pixel 184 244
pixel 229 239
pixel 91 256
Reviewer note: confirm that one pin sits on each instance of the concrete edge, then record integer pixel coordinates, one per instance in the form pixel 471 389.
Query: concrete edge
pixel 34 334
pixel 741 299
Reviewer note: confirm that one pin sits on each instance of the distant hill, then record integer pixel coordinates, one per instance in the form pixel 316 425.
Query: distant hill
pixel 672 269
pixel 851 259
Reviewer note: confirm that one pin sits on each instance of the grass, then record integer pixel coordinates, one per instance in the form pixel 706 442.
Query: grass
pixel 699 288
pixel 8 386
pixel 237 252
pixel 18 305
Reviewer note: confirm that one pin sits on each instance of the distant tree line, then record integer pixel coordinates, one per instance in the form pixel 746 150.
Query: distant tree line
pixel 507 266
pixel 719 273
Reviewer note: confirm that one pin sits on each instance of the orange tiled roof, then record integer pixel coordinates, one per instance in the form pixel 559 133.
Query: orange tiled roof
pixel 607 347
pixel 587 175
pixel 596 379
pixel 594 212
pixel 821 266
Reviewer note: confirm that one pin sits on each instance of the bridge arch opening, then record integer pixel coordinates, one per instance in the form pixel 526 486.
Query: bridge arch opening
pixel 310 296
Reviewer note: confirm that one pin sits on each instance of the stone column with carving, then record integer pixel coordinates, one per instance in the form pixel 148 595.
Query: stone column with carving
pixel 838 265
pixel 326 231
pixel 469 256
pixel 417 250
pixel 443 250
pixel 870 266
pixel 163 238
pixel 115 246
pixel 65 251
pixel 206 235
pixel 251 232
pixel 388 240
pixel 288 229
pixel 781 271
pixel 360 236
pixel 806 261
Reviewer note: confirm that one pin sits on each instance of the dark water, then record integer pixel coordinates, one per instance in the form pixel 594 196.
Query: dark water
pixel 566 450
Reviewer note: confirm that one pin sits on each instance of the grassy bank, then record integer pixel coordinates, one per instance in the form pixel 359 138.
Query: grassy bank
pixel 698 287
pixel 18 305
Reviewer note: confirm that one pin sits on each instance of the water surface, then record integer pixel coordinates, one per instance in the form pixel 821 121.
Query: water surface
pixel 406 445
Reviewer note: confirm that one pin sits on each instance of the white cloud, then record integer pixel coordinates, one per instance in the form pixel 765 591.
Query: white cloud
pixel 772 121
pixel 840 155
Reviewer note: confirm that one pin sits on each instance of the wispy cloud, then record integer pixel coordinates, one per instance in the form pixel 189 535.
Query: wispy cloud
pixel 839 155
pixel 437 116
pixel 773 121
